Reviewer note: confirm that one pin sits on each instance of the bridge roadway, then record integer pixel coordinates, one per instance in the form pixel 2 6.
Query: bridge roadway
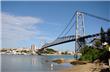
pixel 66 39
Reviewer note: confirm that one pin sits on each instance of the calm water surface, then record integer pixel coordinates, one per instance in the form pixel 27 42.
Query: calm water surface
pixel 32 63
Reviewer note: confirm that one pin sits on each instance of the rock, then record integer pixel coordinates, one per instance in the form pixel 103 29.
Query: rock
pixel 75 62
pixel 59 61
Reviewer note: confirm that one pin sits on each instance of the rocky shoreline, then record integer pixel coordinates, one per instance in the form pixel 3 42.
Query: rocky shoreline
pixel 83 66
pixel 89 67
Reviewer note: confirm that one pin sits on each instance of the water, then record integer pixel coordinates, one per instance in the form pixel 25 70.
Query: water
pixel 32 63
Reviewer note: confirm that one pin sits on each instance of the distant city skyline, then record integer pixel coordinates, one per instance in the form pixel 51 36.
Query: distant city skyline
pixel 34 22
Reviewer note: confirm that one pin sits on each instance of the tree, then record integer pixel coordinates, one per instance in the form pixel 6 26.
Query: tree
pixel 103 37
pixel 108 36
pixel 49 51
pixel 90 53
pixel 97 43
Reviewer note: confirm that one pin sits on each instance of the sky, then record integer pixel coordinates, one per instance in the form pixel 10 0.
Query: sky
pixel 37 22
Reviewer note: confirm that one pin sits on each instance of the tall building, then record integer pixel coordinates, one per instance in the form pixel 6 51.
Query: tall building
pixel 33 47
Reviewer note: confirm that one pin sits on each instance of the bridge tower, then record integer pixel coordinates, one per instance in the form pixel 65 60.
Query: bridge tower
pixel 80 31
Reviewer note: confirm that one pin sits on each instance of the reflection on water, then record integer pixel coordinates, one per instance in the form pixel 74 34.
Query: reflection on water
pixel 33 60
pixel 31 63
pixel 52 66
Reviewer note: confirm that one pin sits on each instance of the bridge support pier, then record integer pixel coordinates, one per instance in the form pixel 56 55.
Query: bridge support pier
pixel 80 31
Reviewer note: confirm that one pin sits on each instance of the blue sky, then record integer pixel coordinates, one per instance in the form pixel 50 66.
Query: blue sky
pixel 35 22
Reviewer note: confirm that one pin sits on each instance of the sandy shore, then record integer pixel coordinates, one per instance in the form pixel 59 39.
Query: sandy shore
pixel 89 67
pixel 83 66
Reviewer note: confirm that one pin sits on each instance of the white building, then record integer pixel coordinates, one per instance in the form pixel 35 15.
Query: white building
pixel 33 47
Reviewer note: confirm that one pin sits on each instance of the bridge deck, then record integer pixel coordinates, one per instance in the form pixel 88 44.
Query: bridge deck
pixel 66 39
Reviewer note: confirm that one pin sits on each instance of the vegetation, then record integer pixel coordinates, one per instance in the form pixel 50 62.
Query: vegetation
pixel 49 51
pixel 103 37
pixel 65 53
pixel 108 36
pixel 91 53
pixel 25 51
pixel 3 50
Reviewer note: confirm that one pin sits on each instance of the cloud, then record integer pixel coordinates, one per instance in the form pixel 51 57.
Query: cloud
pixel 16 28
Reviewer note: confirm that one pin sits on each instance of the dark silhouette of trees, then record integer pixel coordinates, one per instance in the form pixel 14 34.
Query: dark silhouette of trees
pixel 103 37
pixel 108 36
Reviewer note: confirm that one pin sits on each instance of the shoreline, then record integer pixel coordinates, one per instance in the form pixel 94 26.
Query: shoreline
pixel 78 68
pixel 39 55
pixel 83 66
pixel 89 67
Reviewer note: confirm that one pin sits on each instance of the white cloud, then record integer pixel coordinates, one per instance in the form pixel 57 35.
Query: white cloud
pixel 16 28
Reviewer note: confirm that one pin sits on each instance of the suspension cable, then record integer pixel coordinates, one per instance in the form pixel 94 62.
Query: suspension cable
pixel 67 25
pixel 70 28
pixel 101 18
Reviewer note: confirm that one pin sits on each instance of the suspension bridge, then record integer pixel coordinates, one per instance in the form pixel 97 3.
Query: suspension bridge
pixel 79 37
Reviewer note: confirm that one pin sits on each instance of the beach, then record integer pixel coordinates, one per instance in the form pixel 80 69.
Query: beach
pixel 89 67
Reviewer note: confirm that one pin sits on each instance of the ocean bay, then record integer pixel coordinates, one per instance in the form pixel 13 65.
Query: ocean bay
pixel 33 63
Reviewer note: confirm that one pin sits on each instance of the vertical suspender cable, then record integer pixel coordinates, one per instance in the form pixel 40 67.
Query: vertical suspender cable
pixel 67 25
